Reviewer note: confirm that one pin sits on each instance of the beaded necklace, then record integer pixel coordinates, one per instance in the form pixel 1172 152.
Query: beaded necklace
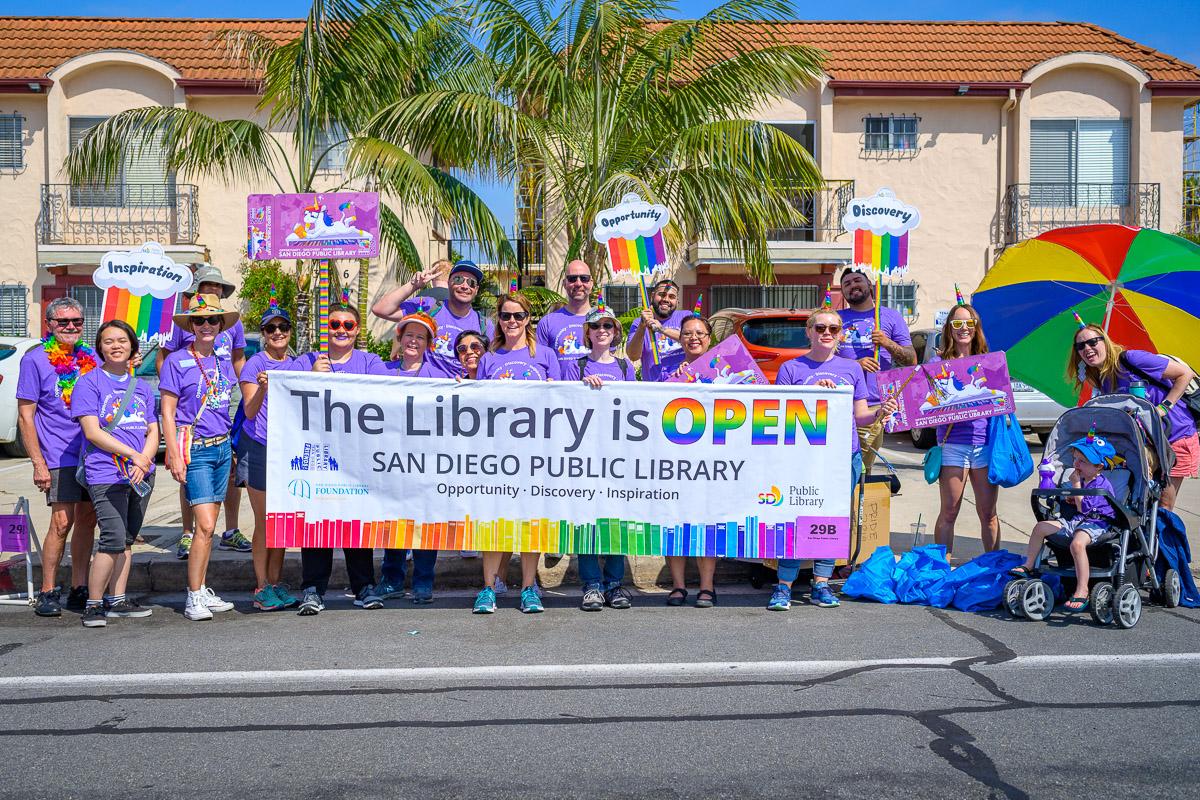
pixel 69 364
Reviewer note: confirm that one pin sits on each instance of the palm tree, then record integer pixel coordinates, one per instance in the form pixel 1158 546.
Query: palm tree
pixel 596 98
pixel 352 58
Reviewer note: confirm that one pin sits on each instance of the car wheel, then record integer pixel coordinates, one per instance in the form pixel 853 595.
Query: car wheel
pixel 1043 436
pixel 15 449
pixel 923 438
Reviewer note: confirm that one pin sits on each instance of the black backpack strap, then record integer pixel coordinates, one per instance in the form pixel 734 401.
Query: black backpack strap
pixel 624 365
pixel 583 362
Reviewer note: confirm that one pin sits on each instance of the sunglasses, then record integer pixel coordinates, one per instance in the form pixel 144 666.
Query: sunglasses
pixel 821 327
pixel 959 324
pixel 578 279
pixel 206 321
pixel 337 325
pixel 460 280
pixel 473 347
pixel 68 322
pixel 1095 340
pixel 273 327
pixel 607 326
pixel 519 316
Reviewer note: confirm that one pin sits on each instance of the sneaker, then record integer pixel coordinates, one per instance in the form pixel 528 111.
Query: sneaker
pixel 422 597
pixel 285 595
pixel 593 599
pixel 197 606
pixel 94 617
pixel 485 601
pixel 127 608
pixel 77 598
pixel 823 596
pixel 213 601
pixel 265 599
pixel 366 598
pixel 537 587
pixel 386 590
pixel 311 604
pixel 233 540
pixel 185 547
pixel 781 598
pixel 618 597
pixel 47 604
pixel 531 603
pixel 500 587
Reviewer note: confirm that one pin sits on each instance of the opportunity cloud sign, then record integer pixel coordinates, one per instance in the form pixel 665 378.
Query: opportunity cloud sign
pixel 632 230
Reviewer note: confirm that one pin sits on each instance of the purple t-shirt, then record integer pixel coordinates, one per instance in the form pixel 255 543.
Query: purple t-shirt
pixel 359 363
pixel 256 427
pixel 1097 509
pixel 972 432
pixel 443 361
pixel 561 333
pixel 518 365
pixel 803 371
pixel 1182 424
pixel 426 370
pixel 670 352
pixel 99 394
pixel 182 377
pixel 857 327
pixel 224 345
pixel 58 434
pixel 569 371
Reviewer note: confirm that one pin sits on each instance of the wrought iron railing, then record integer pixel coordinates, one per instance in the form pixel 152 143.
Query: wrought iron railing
pixel 823 209
pixel 118 214
pixel 1031 209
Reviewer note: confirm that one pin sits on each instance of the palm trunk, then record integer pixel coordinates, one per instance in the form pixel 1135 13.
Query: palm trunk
pixel 304 334
pixel 363 287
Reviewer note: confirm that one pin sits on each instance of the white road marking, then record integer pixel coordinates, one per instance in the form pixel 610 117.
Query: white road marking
pixel 525 672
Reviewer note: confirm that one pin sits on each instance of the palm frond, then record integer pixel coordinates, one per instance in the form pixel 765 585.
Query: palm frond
pixel 396 242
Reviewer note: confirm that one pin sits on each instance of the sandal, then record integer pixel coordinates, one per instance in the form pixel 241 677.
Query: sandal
pixel 1020 571
pixel 677 597
pixel 705 599
pixel 1076 604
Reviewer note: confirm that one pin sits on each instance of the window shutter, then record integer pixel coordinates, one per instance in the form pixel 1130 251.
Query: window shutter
pixel 14 308
pixel 91 195
pixel 146 180
pixel 1103 162
pixel 12 152
pixel 1052 167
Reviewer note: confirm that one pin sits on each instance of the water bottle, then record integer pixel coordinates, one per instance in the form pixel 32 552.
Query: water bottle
pixel 1046 471
pixel 1138 389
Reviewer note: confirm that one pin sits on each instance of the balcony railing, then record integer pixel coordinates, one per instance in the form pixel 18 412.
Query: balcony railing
pixel 1031 209
pixel 823 208
pixel 124 214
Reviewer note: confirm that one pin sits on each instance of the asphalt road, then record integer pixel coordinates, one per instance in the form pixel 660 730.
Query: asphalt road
pixel 861 701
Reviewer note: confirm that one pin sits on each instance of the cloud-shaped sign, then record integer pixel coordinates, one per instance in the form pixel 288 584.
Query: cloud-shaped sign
pixel 632 218
pixel 144 270
pixel 881 213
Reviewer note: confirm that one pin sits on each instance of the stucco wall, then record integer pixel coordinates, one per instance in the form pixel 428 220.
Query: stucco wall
pixel 1163 157
pixel 20 197
pixel 1084 91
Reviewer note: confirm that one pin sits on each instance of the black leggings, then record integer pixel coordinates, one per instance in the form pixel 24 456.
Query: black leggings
pixel 317 565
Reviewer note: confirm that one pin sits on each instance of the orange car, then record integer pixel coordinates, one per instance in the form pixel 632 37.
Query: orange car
pixel 772 335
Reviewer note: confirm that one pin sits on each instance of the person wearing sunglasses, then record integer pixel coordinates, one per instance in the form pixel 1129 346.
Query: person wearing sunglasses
pixel 316 563
pixel 270 593
pixel 1107 367
pixel 561 331
pixel 470 346
pixel 196 385
pixel 822 366
pixel 662 321
pixel 53 440
pixel 453 315
pixel 966 447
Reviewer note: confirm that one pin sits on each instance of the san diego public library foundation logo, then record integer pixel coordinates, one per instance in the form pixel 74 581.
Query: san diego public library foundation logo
pixel 315 458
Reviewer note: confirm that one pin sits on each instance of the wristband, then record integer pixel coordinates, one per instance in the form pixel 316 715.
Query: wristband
pixel 1166 404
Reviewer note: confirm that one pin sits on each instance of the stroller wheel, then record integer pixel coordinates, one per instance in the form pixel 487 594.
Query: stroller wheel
pixel 1037 600
pixel 1127 606
pixel 1101 603
pixel 1012 596
pixel 1171 590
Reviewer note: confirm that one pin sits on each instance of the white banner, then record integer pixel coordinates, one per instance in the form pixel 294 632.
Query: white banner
pixel 634 468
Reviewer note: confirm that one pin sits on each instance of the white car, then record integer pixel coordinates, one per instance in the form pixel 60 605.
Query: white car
pixel 12 350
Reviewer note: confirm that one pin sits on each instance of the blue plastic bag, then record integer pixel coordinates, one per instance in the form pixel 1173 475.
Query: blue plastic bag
pixel 921 571
pixel 1009 462
pixel 979 583
pixel 873 580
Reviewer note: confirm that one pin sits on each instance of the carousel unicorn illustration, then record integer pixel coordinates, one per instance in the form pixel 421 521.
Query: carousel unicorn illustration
pixel 947 391
pixel 319 225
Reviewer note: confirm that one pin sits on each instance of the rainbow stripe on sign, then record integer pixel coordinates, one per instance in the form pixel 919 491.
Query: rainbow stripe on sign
pixel 149 316
pixel 884 254
pixel 640 255
pixel 805 537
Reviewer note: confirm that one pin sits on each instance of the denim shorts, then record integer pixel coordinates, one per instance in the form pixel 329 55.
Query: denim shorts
pixel 252 463
pixel 208 473
pixel 965 455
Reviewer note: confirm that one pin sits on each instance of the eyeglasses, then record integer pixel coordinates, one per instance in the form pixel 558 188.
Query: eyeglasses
pixel 461 280
pixel 578 279
pixel 68 322
pixel 821 327
pixel 607 326
pixel 473 347
pixel 1095 340
pixel 206 321
pixel 959 324
pixel 695 335
pixel 337 325
pixel 276 327
pixel 519 316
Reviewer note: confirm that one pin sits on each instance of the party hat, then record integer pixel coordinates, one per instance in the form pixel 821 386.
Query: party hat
pixel 200 301
pixel 827 301
pixel 600 301
pixel 273 304
pixel 1091 437
pixel 698 310
pixel 512 286
pixel 958 296
pixel 345 296
pixel 1079 320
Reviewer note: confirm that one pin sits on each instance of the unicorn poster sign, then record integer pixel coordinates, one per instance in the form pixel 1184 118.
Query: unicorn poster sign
pixel 315 225
pixel 943 392
pixel 727 362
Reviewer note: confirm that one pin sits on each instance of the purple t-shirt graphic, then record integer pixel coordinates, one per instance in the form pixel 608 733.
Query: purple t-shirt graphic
pixel 803 371
pixel 256 427
pixel 670 351
pixel 426 370
pixel 1097 509
pixel 1182 424
pixel 561 333
pixel 182 377
pixel 972 432
pixel 224 345
pixel 518 365
pixel 609 372
pixel 58 434
pixel 99 394
pixel 443 361
pixel 857 327
pixel 359 363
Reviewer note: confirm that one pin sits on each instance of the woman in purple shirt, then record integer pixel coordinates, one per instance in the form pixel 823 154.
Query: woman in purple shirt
pixel 195 385
pixel 965 445
pixel 119 465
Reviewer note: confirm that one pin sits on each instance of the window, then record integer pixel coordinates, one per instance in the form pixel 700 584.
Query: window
pixel 890 133
pixel 14 309
pixel 141 182
pixel 902 296
pixel 778 334
pixel 330 146
pixel 621 297
pixel 12 142
pixel 1079 162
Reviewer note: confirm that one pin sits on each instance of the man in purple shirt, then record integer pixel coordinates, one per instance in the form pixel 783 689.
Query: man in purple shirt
pixel 561 331
pixel 53 441
pixel 663 322
pixel 860 338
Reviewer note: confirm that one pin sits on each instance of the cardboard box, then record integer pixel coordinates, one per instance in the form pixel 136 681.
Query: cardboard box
pixel 877 518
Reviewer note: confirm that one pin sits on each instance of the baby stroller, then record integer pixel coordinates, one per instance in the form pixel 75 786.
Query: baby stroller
pixel 1122 561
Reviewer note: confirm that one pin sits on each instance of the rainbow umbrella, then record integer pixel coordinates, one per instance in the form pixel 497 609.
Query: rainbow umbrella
pixel 1139 284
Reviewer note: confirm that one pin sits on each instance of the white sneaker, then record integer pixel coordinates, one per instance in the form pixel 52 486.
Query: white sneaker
pixel 213 601
pixel 197 608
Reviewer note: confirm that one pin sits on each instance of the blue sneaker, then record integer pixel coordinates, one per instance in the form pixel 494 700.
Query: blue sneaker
pixel 235 541
pixel 422 596
pixel 530 602
pixel 781 598
pixel 265 599
pixel 386 590
pixel 823 596
pixel 485 601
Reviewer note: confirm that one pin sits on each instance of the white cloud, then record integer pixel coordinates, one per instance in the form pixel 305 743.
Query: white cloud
pixel 144 270
pixel 634 217
pixel 881 213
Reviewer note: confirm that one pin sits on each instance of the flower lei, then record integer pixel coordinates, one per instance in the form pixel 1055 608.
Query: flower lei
pixel 69 364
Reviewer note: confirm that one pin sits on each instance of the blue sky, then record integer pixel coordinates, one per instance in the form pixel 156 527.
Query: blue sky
pixel 1172 26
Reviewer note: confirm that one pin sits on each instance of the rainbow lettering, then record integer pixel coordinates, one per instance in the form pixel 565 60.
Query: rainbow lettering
pixel 729 414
